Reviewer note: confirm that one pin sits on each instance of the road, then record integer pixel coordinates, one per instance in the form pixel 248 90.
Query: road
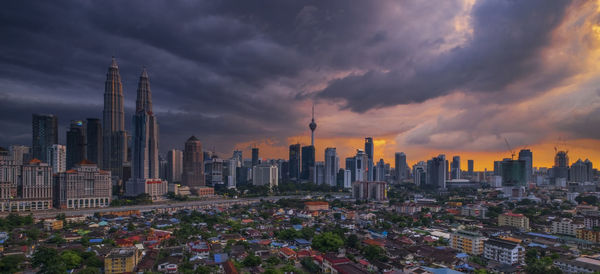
pixel 158 206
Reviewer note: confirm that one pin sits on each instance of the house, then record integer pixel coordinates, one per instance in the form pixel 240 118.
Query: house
pixel 287 253
pixel 332 260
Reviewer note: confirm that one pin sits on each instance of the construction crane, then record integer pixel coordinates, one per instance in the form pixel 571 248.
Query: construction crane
pixel 512 152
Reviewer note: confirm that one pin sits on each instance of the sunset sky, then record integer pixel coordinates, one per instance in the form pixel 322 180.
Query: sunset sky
pixel 422 77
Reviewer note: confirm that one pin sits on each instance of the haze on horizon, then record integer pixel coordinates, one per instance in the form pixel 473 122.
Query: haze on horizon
pixel 422 77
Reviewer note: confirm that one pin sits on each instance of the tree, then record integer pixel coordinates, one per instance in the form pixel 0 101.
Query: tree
pixel 352 241
pixel 251 261
pixel 11 263
pixel 48 261
pixel 71 259
pixel 273 260
pixel 327 242
pixel 89 270
pixel 373 252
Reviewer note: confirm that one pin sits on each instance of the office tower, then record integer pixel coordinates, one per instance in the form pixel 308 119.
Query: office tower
pixel 527 156
pixel 497 168
pixel 312 127
pixel 94 141
pixel 231 168
pixel 455 168
pixel 265 174
pixel 45 134
pixel 369 151
pixel 213 172
pixel 332 165
pixel 85 186
pixel 561 165
pixel 470 167
pixel 437 172
pixel 379 171
pixel 351 166
pixel 36 185
pixel 174 165
pixel 294 162
pixel 114 145
pixel 400 166
pixel 75 143
pixel 237 154
pixel 145 169
pixel 57 158
pixel 308 163
pixel 20 154
pixel 589 169
pixel 144 163
pixel 193 164
pixel 514 173
pixel 420 173
pixel 362 169
pixel 163 164
pixel 255 159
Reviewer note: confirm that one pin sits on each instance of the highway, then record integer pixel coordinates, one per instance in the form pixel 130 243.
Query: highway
pixel 163 206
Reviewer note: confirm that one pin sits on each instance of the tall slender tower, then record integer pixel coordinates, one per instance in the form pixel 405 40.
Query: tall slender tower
pixel 114 135
pixel 312 127
pixel 145 134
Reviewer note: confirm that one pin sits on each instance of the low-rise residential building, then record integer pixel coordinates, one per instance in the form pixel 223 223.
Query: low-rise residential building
pixel 121 260
pixel 469 242
pixel 476 211
pixel 565 227
pixel 504 251
pixel 519 221
pixel 316 205
pixel 579 265
pixel 588 235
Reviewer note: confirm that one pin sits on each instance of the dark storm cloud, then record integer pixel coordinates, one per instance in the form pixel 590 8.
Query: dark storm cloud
pixel 233 71
pixel 507 38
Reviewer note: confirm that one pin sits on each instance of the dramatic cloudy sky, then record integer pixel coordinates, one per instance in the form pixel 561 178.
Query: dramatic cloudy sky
pixel 423 77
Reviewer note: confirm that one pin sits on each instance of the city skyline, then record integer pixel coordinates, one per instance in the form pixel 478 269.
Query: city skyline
pixel 262 94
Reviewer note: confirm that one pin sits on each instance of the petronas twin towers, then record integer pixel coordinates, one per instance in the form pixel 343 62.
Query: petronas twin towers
pixel 144 150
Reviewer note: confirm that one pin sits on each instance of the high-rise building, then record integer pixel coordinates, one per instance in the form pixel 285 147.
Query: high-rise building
pixel 75 143
pixel 85 186
pixel 193 164
pixel 347 179
pixel 57 158
pixel 351 166
pixel 513 173
pixel 237 154
pixel 332 165
pixel 36 186
pixel 308 163
pixel 580 171
pixel 145 169
pixel 400 166
pixel 265 174
pixel 319 177
pixel 470 167
pixel 294 162
pixel 367 190
pixel 94 141
pixel 420 173
pixel 174 165
pixel 561 165
pixel 255 158
pixel 455 168
pixel 361 161
pixel 527 156
pixel 45 134
pixel 232 167
pixel 114 143
pixel 437 172
pixel 213 172
pixel 380 171
pixel 369 151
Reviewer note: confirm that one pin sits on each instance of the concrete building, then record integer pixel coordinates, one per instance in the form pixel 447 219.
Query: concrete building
pixel 370 152
pixel 361 166
pixel 308 163
pixel 467 241
pixel 476 211
pixel 122 260
pixel 519 221
pixel 57 158
pixel 420 173
pixel 455 172
pixel 84 186
pixel 76 143
pixel 265 174
pixel 369 191
pixel 94 141
pixel 401 169
pixel 527 156
pixel 436 173
pixel 583 264
pixel 174 165
pixel 36 187
pixel 347 179
pixel 295 163
pixel 213 172
pixel 565 226
pixel 504 251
